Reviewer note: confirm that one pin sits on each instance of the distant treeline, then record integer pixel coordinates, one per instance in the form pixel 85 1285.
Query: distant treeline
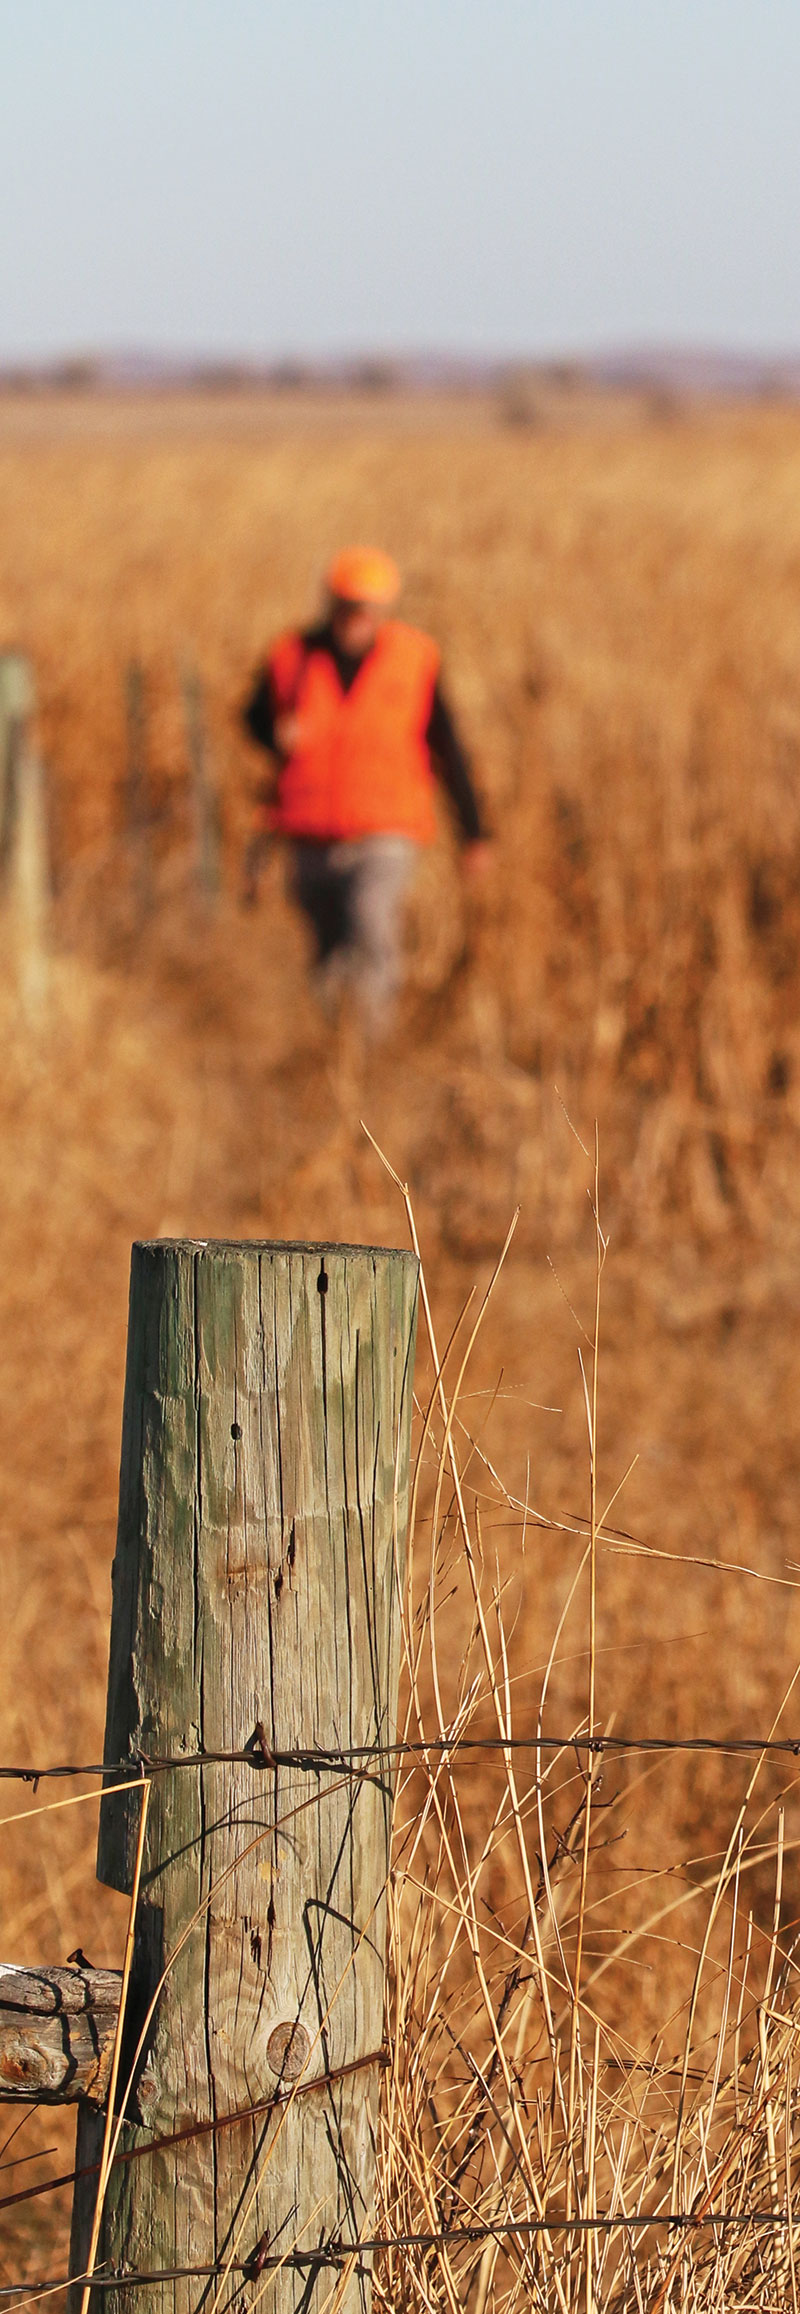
pixel 520 382
pixel 86 374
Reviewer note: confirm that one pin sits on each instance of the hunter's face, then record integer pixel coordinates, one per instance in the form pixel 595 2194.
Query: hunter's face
pixel 355 625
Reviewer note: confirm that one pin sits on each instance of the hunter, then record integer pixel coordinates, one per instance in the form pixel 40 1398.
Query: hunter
pixel 353 714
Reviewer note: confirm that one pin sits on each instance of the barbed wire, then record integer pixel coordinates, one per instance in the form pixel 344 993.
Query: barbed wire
pixel 359 1758
pixel 335 2252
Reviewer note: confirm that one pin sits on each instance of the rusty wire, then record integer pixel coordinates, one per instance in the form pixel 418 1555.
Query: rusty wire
pixel 335 2252
pixel 360 1758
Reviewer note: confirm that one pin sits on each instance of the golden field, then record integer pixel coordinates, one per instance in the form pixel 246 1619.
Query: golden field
pixel 618 603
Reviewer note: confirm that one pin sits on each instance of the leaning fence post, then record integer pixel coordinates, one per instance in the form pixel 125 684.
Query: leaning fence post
pixel 256 1610
pixel 204 793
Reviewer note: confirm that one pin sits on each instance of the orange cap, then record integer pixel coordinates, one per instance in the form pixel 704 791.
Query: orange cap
pixel 362 574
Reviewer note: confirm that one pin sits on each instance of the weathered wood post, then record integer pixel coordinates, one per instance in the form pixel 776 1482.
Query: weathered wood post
pixel 136 789
pixel 256 1610
pixel 24 847
pixel 204 793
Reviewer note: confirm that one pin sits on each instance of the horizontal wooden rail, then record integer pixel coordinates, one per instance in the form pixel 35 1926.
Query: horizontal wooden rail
pixel 56 2033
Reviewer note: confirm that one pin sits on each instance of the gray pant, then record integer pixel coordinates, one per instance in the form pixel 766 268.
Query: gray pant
pixel 352 893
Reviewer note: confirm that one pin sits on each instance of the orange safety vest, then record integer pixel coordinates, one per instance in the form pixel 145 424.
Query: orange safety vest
pixel 361 766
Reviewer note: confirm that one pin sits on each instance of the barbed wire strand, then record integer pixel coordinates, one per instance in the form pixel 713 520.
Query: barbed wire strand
pixel 361 1756
pixel 336 2252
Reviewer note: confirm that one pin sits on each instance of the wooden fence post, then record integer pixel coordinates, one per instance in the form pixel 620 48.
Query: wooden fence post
pixel 24 848
pixel 137 797
pixel 256 1609
pixel 16 706
pixel 204 793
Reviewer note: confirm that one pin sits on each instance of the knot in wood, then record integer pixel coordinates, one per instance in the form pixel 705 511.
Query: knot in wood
pixel 288 2050
pixel 26 2065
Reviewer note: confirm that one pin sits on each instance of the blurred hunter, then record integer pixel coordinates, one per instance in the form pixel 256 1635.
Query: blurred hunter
pixel 353 714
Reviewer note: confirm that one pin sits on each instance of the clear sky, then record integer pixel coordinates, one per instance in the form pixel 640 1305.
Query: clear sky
pixel 311 176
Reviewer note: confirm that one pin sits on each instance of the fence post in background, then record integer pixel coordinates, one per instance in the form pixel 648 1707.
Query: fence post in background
pixel 256 1609
pixel 204 793
pixel 16 706
pixel 137 791
pixel 24 846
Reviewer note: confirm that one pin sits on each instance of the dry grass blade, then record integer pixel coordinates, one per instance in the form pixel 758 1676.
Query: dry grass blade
pixel 106 2155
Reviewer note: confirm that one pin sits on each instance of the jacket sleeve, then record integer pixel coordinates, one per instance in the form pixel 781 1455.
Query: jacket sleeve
pixel 258 713
pixel 452 767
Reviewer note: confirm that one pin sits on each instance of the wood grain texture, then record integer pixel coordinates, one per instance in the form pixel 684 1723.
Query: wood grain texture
pixel 258 1577
pixel 56 2033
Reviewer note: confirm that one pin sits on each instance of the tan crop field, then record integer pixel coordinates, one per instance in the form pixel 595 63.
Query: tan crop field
pixel 618 605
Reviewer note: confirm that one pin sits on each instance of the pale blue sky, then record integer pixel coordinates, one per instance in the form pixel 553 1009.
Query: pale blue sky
pixel 509 176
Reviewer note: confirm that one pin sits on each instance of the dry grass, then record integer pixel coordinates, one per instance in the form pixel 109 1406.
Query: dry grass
pixel 618 611
pixel 537 2149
